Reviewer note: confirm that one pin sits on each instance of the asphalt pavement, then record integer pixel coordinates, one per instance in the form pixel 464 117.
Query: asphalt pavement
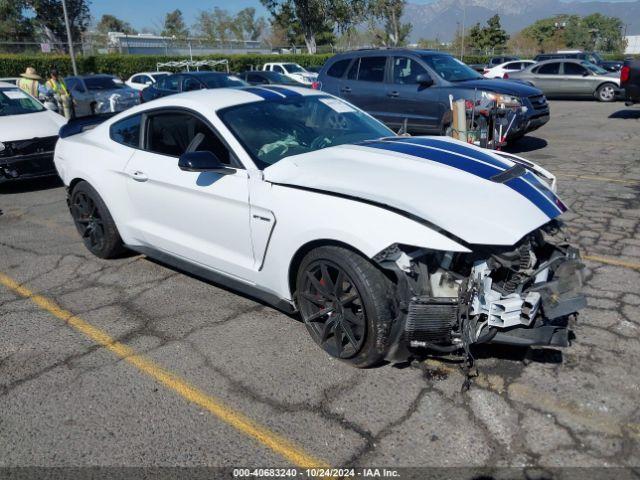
pixel 130 363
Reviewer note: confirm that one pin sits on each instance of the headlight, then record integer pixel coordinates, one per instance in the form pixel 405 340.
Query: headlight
pixel 503 99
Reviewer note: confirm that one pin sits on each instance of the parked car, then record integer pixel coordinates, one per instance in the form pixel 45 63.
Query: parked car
pixel 399 85
pixel 504 69
pixel 571 78
pixel 28 134
pixel 94 94
pixel 630 81
pixel 495 61
pixel 592 57
pixel 382 243
pixel 259 77
pixel 292 70
pixel 142 80
pixel 189 81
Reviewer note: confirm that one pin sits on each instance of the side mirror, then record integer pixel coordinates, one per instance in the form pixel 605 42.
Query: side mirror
pixel 424 80
pixel 203 162
pixel 586 74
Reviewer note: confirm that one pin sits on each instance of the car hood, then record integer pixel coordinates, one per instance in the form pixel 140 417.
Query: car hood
pixel 500 86
pixel 442 181
pixel 30 125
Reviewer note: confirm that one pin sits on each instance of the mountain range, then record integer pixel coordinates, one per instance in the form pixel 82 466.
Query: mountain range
pixel 441 18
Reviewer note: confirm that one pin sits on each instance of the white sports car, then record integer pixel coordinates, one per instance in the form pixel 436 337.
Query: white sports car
pixel 385 245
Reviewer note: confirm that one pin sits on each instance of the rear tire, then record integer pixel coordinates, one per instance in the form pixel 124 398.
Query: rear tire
pixel 94 222
pixel 347 304
pixel 606 92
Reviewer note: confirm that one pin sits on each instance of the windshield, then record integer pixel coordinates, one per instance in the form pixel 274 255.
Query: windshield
pixel 450 68
pixel 101 83
pixel 275 129
pixel 595 68
pixel 293 68
pixel 595 58
pixel 220 80
pixel 15 102
pixel 283 79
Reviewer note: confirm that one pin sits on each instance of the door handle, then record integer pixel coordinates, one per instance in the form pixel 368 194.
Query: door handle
pixel 345 90
pixel 393 94
pixel 139 176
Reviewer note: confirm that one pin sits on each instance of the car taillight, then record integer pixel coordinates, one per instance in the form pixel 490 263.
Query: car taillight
pixel 505 76
pixel 315 85
pixel 625 73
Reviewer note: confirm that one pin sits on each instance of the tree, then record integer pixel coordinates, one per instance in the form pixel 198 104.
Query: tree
pixel 488 38
pixel 390 12
pixel 47 16
pixel 252 27
pixel 14 25
pixel 311 15
pixel 111 23
pixel 174 25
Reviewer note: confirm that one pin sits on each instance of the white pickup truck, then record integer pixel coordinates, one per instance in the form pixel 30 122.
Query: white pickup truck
pixel 291 70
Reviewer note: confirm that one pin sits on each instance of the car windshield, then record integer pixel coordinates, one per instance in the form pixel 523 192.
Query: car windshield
pixel 293 68
pixel 275 129
pixel 595 68
pixel 450 68
pixel 283 79
pixel 15 102
pixel 595 58
pixel 101 83
pixel 220 80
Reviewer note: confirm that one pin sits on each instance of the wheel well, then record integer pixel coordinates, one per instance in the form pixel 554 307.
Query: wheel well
pixel 74 182
pixel 606 83
pixel 306 248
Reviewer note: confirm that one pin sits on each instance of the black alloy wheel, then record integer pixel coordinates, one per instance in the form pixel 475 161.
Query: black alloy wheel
pixel 88 221
pixel 332 309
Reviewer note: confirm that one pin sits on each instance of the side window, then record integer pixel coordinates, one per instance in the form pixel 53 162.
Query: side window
pixel 372 69
pixel 353 71
pixel 279 69
pixel 255 78
pixel 127 131
pixel 337 69
pixel 190 83
pixel 573 69
pixel 172 133
pixel 406 70
pixel 513 66
pixel 549 69
pixel 170 82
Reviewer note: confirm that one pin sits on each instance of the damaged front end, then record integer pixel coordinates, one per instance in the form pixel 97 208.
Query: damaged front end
pixel 522 295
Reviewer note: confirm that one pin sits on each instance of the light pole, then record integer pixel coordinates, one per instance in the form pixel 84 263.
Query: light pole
pixel 69 39
pixel 464 20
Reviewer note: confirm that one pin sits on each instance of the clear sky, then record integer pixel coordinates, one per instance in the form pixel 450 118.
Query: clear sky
pixel 150 13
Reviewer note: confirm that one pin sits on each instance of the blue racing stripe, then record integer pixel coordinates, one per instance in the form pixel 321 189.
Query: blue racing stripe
pixel 544 189
pixel 284 91
pixel 266 94
pixel 454 147
pixel 536 193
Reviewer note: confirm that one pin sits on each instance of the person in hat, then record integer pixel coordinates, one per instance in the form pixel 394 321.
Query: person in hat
pixel 30 82
pixel 56 86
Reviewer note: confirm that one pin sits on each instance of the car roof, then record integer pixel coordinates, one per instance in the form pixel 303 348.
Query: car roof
pixel 389 51
pixel 164 72
pixel 7 85
pixel 564 60
pixel 201 74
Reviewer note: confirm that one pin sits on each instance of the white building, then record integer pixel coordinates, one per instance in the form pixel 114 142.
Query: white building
pixel 633 44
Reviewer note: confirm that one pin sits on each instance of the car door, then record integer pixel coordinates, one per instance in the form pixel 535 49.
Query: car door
pixel 365 87
pixel 547 78
pixel 202 217
pixel 577 79
pixel 410 101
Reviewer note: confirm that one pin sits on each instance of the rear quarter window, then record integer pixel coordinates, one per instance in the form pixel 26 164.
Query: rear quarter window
pixel 127 131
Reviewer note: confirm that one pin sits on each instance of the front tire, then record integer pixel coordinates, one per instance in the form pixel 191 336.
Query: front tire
pixel 94 222
pixel 606 92
pixel 347 305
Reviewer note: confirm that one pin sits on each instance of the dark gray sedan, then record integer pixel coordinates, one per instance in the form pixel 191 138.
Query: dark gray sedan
pixel 571 78
pixel 93 94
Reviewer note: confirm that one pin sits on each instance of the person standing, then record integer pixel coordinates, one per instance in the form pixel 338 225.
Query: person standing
pixel 57 86
pixel 30 82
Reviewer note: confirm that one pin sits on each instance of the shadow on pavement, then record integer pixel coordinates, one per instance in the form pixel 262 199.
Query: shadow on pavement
pixel 627 114
pixel 24 186
pixel 526 144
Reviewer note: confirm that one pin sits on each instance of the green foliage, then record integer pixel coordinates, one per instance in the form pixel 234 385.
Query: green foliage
pixel 174 25
pixel 390 13
pixel 13 24
pixel 488 38
pixel 111 23
pixel 126 65
pixel 50 20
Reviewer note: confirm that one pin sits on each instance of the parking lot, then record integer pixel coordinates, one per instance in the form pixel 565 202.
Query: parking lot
pixel 129 362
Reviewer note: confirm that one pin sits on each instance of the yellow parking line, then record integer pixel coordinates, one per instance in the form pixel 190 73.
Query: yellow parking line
pixel 599 179
pixel 237 420
pixel 530 396
pixel 612 261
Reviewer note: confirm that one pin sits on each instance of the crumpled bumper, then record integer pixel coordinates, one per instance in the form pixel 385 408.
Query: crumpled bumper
pixel 27 166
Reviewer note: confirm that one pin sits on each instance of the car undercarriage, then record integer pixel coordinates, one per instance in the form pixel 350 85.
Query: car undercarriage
pixel 524 295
